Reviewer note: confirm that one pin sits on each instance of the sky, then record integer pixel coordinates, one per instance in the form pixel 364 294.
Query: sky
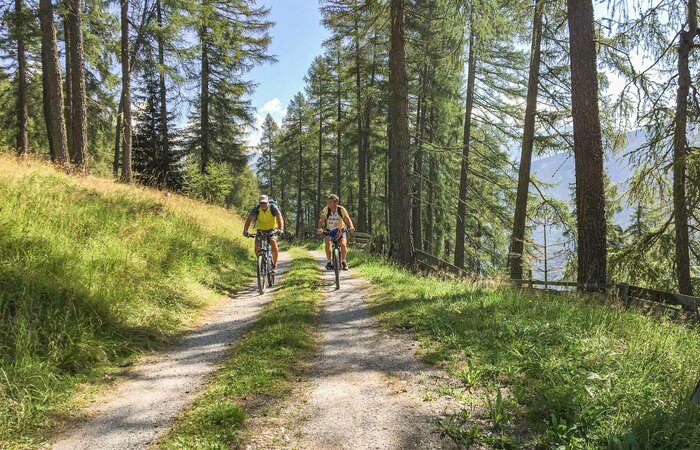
pixel 297 38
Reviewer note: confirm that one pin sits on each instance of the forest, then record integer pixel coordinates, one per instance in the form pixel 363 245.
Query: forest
pixel 423 116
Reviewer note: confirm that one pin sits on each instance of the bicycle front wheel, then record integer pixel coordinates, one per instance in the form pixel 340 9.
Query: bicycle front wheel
pixel 261 274
pixel 336 266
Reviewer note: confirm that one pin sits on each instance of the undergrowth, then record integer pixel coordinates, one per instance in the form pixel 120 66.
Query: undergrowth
pixel 552 371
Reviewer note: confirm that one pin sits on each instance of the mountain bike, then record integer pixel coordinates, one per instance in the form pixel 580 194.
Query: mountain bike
pixel 335 234
pixel 264 260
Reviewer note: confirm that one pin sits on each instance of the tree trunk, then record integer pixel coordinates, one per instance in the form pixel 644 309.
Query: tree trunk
pixel 417 209
pixel 116 162
pixel 430 207
pixel 588 148
pixel 338 155
pixel 464 174
pixel 46 100
pixel 399 146
pixel 52 76
pixel 164 129
pixel 680 152
pixel 269 165
pixel 67 86
pixel 127 170
pixel 22 103
pixel 367 143
pixel 518 239
pixel 78 147
pixel 361 150
pixel 204 104
pixel 299 184
pixel 317 210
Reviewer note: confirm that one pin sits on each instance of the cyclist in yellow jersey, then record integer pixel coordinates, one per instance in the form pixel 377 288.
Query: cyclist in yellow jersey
pixel 335 216
pixel 269 217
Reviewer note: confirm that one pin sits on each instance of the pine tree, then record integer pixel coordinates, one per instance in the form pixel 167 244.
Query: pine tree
pixel 266 161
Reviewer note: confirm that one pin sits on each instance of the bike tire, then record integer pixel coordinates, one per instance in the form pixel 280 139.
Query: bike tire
pixel 261 274
pixel 270 277
pixel 336 266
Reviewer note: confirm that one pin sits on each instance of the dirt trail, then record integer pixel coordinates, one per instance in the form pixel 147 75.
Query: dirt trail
pixel 366 389
pixel 154 392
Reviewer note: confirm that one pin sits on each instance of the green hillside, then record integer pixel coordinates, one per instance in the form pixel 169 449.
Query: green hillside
pixel 92 273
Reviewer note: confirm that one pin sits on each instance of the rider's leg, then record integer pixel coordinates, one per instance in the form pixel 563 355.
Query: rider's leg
pixel 343 249
pixel 328 248
pixel 257 246
pixel 275 251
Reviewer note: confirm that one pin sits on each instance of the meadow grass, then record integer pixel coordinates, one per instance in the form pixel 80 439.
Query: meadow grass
pixel 550 371
pixel 92 274
pixel 261 367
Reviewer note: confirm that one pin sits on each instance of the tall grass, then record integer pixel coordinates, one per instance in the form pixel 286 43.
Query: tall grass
pixel 553 371
pixel 93 273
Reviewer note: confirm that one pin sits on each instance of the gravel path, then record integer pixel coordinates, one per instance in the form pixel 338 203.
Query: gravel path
pixel 155 391
pixel 366 389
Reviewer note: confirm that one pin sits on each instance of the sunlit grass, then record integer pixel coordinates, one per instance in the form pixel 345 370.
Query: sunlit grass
pixel 93 273
pixel 552 371
pixel 262 364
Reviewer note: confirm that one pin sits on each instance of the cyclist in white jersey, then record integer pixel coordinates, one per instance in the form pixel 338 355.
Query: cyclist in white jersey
pixel 335 216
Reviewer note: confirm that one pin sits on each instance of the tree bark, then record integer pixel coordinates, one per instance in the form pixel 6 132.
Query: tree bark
pixel 22 103
pixel 430 207
pixel 164 129
pixel 361 150
pixel 317 209
pixel 116 162
pixel 78 147
pixel 417 209
pixel 339 140
pixel 46 101
pixel 52 81
pixel 464 173
pixel 517 246
pixel 204 104
pixel 300 182
pixel 680 152
pixel 399 145
pixel 67 90
pixel 588 147
pixel 127 170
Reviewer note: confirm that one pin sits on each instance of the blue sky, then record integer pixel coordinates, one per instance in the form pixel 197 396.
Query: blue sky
pixel 297 39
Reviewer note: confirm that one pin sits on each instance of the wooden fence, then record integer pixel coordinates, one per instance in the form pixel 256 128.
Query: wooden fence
pixel 683 305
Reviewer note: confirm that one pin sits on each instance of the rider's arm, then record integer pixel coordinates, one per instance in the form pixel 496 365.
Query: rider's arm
pixel 321 220
pixel 247 223
pixel 280 221
pixel 348 220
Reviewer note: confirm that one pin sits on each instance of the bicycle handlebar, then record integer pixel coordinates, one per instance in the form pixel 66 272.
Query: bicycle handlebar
pixel 342 230
pixel 264 233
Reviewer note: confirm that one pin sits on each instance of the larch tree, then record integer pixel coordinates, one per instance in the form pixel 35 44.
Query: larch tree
pixel 588 147
pixel 399 143
pixel 127 169
pixel 78 92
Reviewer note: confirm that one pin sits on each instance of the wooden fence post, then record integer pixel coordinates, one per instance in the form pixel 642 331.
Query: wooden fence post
pixel 624 292
pixel 529 274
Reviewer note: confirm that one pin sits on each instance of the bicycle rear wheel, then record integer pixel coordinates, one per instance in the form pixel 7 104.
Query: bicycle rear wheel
pixel 336 266
pixel 261 274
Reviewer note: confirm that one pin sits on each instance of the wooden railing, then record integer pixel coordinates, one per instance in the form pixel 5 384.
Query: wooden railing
pixel 686 305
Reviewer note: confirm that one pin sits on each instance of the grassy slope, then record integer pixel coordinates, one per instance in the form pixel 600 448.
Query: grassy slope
pixel 261 365
pixel 555 371
pixel 92 273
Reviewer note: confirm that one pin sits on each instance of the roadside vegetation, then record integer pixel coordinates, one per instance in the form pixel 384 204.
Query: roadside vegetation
pixel 261 367
pixel 93 274
pixel 550 371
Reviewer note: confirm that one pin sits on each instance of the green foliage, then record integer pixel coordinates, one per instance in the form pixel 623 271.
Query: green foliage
pixel 263 364
pixel 92 275
pixel 572 372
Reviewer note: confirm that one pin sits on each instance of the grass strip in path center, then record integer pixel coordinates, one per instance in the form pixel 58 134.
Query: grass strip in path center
pixel 262 366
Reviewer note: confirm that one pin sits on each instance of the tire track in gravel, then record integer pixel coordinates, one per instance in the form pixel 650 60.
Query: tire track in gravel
pixel 366 388
pixel 155 391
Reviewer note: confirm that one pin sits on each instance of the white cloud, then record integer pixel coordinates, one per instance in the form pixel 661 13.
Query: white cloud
pixel 276 110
